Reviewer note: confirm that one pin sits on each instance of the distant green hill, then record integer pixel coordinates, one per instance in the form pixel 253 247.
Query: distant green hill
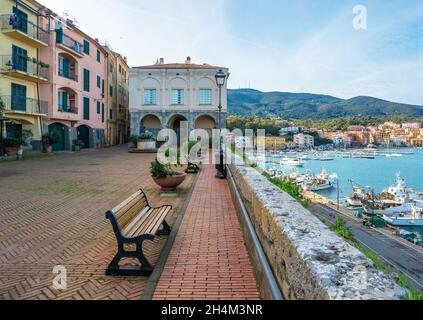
pixel 312 106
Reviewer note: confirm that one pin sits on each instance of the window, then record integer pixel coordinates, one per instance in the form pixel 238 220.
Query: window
pixel 102 87
pixel 150 97
pixel 98 56
pixel 86 108
pixel 86 80
pixel 120 69
pixel 98 107
pixel 111 67
pixel 102 112
pixel 86 47
pixel 63 101
pixel 19 58
pixel 22 25
pixel 205 96
pixel 111 114
pixel 98 82
pixel 111 91
pixel 178 96
pixel 18 99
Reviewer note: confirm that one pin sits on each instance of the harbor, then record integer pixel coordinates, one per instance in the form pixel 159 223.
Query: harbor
pixel 382 188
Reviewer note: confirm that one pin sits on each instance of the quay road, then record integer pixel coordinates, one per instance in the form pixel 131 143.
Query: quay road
pixel 402 256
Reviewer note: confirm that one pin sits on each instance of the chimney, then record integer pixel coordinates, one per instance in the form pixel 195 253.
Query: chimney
pixel 188 61
pixel 161 61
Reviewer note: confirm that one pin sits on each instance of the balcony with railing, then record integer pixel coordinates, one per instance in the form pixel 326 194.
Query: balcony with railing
pixel 24 30
pixel 68 67
pixel 68 43
pixel 24 67
pixel 67 102
pixel 22 104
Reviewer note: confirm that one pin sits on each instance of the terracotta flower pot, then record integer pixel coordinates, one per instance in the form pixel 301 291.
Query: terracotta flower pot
pixel 11 151
pixel 170 183
pixel 48 148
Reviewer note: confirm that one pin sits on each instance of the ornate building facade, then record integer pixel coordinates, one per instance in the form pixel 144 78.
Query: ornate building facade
pixel 163 95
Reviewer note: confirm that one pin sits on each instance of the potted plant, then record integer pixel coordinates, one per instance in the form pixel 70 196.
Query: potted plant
pixel 160 142
pixel 77 145
pixel 48 141
pixel 165 177
pixel 146 141
pixel 11 146
pixel 134 141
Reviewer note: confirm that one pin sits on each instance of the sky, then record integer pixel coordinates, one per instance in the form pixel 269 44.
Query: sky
pixel 271 45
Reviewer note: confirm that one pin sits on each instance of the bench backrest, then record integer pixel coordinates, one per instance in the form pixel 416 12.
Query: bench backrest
pixel 130 208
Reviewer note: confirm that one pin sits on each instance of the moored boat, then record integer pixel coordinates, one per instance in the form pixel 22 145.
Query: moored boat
pixel 291 162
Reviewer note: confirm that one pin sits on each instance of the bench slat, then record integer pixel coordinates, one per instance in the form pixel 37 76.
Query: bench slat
pixel 131 212
pixel 156 218
pixel 159 221
pixel 139 221
pixel 136 221
pixel 120 206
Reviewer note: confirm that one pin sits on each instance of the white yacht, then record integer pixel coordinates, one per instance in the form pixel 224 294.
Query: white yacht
pixel 291 162
pixel 401 193
pixel 413 219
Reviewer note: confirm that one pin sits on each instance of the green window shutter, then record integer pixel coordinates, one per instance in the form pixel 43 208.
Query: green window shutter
pixel 86 108
pixel 86 47
pixel 102 112
pixel 86 80
pixel 65 100
pixel 66 68
pixel 98 107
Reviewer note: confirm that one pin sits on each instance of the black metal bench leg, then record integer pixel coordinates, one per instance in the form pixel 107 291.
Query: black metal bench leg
pixel 145 269
pixel 165 231
pixel 145 264
pixel 113 268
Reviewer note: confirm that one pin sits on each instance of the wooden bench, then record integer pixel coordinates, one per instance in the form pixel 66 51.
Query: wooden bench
pixel 133 222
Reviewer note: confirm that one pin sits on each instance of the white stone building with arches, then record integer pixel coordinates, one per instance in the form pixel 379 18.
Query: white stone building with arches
pixel 163 95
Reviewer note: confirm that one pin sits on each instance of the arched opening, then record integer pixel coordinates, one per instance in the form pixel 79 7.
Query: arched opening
pixel 151 123
pixel 175 123
pixel 68 67
pixel 207 123
pixel 84 135
pixel 66 100
pixel 57 130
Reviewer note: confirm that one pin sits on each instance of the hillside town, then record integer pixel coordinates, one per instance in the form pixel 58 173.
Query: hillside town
pixel 386 135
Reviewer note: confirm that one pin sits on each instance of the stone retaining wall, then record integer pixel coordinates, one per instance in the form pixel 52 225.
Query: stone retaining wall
pixel 309 261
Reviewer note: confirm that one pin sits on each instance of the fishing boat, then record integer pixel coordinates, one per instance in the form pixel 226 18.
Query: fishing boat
pixel 415 219
pixel 291 162
pixel 320 182
pixel 401 193
pixel 357 197
pixel 317 185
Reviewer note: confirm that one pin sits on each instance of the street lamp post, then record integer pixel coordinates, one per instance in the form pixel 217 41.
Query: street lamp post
pixel 220 81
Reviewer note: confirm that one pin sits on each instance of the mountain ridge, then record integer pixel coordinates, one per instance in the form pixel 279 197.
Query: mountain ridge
pixel 312 106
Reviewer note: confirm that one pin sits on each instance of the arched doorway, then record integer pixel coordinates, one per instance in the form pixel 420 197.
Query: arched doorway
pixel 84 135
pixel 151 123
pixel 58 131
pixel 207 123
pixel 175 123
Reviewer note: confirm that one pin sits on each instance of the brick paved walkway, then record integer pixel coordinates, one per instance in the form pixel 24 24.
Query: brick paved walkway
pixel 208 259
pixel 52 213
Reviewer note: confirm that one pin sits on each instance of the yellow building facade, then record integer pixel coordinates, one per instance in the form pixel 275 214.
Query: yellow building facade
pixel 117 99
pixel 21 69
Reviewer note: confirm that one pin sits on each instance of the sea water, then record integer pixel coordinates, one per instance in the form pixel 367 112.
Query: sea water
pixel 378 173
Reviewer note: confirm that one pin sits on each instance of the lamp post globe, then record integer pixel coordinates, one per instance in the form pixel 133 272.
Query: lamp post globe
pixel 220 82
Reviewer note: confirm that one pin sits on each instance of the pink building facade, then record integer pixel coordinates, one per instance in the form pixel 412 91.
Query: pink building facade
pixel 75 92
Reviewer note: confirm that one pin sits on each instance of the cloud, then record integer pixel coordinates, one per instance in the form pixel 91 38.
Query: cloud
pixel 290 46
